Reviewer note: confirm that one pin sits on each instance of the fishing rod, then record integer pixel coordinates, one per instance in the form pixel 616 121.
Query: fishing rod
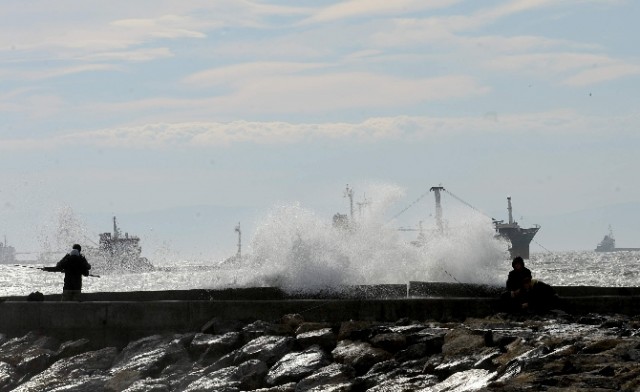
pixel 49 269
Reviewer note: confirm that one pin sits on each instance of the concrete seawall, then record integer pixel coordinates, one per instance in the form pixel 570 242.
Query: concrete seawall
pixel 113 319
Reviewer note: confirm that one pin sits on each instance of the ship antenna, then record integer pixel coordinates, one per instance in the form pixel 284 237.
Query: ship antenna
pixel 239 240
pixel 436 190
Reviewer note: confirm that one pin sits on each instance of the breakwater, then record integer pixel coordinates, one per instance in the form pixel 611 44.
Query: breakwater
pixel 113 319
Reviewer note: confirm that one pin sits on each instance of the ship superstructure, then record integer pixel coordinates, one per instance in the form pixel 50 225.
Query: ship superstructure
pixel 7 253
pixel 116 251
pixel 518 237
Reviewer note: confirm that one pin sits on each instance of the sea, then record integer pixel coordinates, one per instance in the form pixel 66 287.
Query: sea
pixel 299 250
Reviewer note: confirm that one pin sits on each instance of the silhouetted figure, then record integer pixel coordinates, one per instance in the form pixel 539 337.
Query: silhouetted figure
pixel 516 275
pixel 510 298
pixel 74 265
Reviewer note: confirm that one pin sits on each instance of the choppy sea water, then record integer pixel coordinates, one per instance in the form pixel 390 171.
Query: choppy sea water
pixel 563 269
pixel 296 249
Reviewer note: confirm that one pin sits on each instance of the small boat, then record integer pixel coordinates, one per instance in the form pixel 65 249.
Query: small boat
pixel 608 244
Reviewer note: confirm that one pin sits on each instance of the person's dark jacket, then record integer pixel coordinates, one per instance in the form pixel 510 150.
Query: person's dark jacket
pixel 74 265
pixel 540 296
pixel 514 280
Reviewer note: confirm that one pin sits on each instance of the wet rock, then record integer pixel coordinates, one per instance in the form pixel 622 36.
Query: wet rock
pixel 246 376
pixel 85 366
pixel 292 320
pixel 15 350
pixel 462 341
pixel 148 357
pixel 310 326
pixel 355 330
pixel 324 338
pixel 210 348
pixel 8 376
pixel 263 328
pixel 72 347
pixel 335 374
pixel 218 326
pixel 268 349
pixel 149 385
pixel 469 380
pixel 297 365
pixel 391 342
pixel 35 363
pixel 360 355
pixel 290 387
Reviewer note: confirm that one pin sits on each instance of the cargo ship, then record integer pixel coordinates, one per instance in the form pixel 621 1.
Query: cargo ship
pixel 518 237
pixel 608 244
pixel 118 252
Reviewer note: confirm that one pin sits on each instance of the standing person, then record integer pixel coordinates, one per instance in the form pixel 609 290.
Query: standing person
pixel 74 265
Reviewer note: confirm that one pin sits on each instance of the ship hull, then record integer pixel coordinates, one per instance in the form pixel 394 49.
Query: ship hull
pixel 519 238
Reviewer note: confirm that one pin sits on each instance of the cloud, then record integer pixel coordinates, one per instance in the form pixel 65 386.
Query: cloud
pixel 373 130
pixel 138 55
pixel 368 8
pixel 600 74
pixel 575 69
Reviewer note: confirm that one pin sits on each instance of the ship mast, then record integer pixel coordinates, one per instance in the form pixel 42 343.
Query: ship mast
pixel 510 210
pixel 239 240
pixel 436 190
pixel 349 193
pixel 116 232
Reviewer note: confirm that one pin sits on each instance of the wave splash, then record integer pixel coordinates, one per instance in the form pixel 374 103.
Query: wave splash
pixel 297 250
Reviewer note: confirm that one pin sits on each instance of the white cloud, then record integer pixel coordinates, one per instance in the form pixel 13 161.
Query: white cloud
pixel 138 55
pixel 367 8
pixel 575 69
pixel 601 74
pixel 400 128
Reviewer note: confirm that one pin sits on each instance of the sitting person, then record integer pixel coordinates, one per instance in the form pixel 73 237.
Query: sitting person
pixel 516 276
pixel 536 296
pixel 510 299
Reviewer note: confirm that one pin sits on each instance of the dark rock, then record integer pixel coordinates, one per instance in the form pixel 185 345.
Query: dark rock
pixel 360 355
pixel 210 348
pixel 268 349
pixel 333 374
pixel 290 387
pixel 72 347
pixel 324 338
pixel 462 341
pixel 391 342
pixel 292 320
pixel 218 326
pixel 355 330
pixel 8 376
pixel 308 327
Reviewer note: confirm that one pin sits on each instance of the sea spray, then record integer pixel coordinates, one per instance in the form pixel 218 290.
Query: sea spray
pixel 297 250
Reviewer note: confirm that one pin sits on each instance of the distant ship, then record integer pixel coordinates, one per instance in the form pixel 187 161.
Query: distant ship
pixel 519 237
pixel 117 252
pixel 7 253
pixel 608 244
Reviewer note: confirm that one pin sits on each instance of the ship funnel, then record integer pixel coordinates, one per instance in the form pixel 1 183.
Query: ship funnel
pixel 510 209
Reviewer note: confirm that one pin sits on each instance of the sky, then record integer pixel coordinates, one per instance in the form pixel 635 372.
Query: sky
pixel 185 118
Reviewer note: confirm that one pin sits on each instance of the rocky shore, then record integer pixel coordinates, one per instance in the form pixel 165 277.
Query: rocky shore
pixel 554 352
